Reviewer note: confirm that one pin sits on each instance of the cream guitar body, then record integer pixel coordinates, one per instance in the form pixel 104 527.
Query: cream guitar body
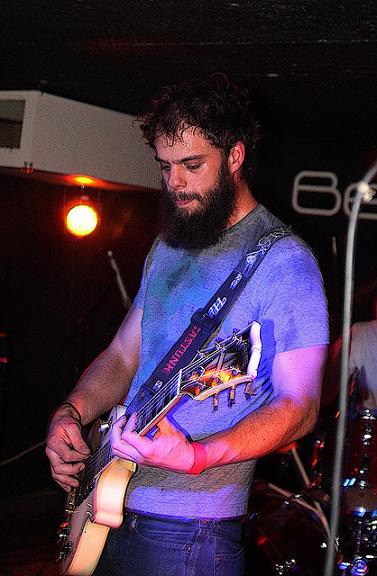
pixel 88 520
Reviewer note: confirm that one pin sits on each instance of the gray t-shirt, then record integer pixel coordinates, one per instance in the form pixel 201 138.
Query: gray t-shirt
pixel 285 295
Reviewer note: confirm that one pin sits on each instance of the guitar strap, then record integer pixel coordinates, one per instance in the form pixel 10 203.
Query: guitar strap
pixel 206 320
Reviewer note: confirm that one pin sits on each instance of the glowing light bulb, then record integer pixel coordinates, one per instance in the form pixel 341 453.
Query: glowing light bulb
pixel 81 220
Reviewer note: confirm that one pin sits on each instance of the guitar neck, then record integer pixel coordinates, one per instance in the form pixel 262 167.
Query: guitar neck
pixel 149 416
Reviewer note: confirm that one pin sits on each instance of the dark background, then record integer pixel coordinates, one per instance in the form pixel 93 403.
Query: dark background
pixel 312 68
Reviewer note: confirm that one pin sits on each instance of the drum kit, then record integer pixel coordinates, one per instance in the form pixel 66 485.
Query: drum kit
pixel 286 531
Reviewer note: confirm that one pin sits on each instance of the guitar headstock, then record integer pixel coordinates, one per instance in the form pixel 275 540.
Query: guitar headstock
pixel 212 382
pixel 225 365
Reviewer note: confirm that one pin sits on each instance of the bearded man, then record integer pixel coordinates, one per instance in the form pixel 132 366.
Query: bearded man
pixel 194 470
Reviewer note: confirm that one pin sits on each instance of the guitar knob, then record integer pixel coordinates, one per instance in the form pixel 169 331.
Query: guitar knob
pixel 104 426
pixel 62 535
pixel 232 396
pixel 65 551
pixel 215 401
pixel 64 529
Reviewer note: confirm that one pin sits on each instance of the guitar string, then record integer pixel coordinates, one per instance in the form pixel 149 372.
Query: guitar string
pixel 106 453
pixel 98 456
pixel 159 401
pixel 188 369
pixel 100 453
pixel 167 389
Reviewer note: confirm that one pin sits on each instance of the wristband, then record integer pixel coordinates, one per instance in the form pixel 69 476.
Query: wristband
pixel 200 458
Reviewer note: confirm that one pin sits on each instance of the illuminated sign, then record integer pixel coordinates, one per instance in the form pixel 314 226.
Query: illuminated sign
pixel 316 193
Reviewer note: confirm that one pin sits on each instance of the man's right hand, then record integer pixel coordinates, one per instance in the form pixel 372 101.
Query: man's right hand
pixel 66 448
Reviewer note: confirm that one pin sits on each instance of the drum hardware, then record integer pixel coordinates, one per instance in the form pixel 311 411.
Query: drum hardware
pixel 358 567
pixel 285 535
pixel 318 495
pixel 358 527
pixel 316 464
pixel 300 499
pixel 310 489
pixel 358 531
pixel 286 568
pixel 362 453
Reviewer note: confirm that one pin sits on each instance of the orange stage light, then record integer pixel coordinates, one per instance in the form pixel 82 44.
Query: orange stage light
pixel 81 219
pixel 82 180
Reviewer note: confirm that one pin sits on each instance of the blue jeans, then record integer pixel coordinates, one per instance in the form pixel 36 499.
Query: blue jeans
pixel 157 546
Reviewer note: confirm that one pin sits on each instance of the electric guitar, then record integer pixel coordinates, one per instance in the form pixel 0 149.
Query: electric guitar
pixel 97 505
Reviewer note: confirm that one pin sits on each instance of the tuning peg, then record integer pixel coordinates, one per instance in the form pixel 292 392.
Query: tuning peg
pixel 248 388
pixel 234 370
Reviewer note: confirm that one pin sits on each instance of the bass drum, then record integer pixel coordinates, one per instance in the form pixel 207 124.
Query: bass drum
pixel 283 535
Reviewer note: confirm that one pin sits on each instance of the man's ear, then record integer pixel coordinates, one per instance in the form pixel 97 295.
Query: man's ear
pixel 236 157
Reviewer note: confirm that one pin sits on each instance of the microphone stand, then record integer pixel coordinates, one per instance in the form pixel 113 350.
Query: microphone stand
pixel 125 298
pixel 78 333
pixel 364 193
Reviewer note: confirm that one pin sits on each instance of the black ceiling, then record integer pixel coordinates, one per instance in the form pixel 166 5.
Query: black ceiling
pixel 311 63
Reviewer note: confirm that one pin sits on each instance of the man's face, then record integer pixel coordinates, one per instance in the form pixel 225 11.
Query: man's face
pixel 198 191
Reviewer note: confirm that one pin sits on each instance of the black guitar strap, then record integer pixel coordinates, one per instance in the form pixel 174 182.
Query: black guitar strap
pixel 206 320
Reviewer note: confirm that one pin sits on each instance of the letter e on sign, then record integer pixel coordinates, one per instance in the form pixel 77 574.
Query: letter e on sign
pixel 368 210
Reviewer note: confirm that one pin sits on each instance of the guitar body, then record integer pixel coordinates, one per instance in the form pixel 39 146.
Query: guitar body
pixel 85 528
pixel 87 540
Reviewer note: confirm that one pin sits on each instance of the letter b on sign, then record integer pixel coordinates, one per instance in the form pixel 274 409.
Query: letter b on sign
pixel 307 184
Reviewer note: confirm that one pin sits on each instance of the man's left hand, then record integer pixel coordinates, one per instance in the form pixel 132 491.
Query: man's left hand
pixel 169 448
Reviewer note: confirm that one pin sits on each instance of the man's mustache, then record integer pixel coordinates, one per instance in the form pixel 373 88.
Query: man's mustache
pixel 185 196
pixel 188 196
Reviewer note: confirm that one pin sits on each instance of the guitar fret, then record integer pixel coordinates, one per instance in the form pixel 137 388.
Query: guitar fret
pixel 94 465
pixel 153 408
pixel 229 350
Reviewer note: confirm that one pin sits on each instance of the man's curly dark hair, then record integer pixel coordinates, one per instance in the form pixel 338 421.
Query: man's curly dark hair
pixel 222 112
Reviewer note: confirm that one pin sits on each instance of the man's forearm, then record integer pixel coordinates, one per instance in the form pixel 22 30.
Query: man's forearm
pixel 297 376
pixel 103 384
pixel 264 431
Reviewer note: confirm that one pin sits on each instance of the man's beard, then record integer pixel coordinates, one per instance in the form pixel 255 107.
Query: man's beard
pixel 205 226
